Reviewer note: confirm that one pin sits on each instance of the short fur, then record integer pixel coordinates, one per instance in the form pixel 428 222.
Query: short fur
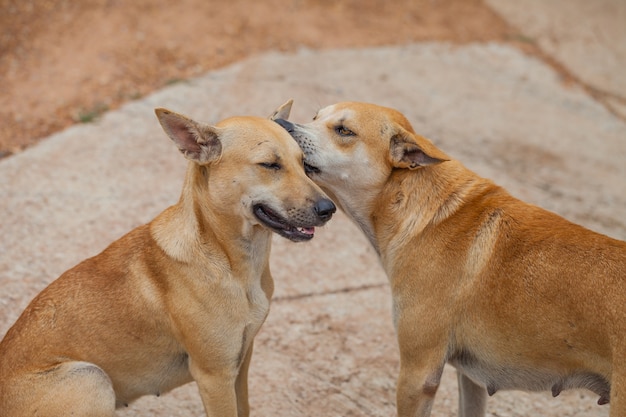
pixel 514 296
pixel 178 299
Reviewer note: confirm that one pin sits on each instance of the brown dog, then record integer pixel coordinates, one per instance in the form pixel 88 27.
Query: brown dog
pixel 176 300
pixel 513 296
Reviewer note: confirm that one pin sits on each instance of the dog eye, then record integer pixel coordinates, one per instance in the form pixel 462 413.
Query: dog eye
pixel 343 131
pixel 271 165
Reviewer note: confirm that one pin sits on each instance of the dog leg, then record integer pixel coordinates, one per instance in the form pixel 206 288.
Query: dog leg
pixel 421 365
pixel 241 385
pixel 70 389
pixel 423 348
pixel 217 389
pixel 472 397
pixel 618 389
pixel 417 387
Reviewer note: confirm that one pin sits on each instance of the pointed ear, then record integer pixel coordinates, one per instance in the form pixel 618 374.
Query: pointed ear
pixel 411 151
pixel 282 112
pixel 199 143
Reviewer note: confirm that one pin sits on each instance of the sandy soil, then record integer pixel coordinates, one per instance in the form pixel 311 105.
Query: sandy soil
pixel 64 62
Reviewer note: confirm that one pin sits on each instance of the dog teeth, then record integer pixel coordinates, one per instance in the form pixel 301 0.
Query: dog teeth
pixel 306 230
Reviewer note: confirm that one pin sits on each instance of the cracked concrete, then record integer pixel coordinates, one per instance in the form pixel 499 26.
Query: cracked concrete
pixel 587 38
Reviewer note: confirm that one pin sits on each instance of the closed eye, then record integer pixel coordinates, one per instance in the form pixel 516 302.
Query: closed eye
pixel 343 131
pixel 271 165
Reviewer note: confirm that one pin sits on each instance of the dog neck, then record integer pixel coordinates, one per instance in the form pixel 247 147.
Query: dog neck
pixel 358 210
pixel 411 201
pixel 192 231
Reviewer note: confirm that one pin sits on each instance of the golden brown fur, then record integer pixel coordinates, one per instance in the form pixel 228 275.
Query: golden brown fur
pixel 176 300
pixel 514 296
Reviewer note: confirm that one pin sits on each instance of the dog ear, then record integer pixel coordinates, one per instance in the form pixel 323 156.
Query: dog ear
pixel 412 151
pixel 199 143
pixel 282 112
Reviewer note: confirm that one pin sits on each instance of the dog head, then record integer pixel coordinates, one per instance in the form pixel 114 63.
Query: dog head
pixel 352 148
pixel 251 168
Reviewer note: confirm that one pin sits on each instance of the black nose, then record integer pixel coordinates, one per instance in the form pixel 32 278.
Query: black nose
pixel 324 208
pixel 287 125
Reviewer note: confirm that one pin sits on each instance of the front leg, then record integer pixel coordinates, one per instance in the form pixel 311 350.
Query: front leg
pixel 417 386
pixel 215 354
pixel 618 386
pixel 241 385
pixel 423 348
pixel 217 389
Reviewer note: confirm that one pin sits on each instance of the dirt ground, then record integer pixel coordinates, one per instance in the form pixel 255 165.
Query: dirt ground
pixel 64 62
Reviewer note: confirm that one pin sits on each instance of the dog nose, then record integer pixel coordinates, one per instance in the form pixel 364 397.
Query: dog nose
pixel 324 208
pixel 287 125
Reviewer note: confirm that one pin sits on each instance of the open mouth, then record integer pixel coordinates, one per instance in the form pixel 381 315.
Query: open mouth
pixel 279 225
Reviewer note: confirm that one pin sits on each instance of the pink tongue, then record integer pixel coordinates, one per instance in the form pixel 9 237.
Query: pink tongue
pixel 308 230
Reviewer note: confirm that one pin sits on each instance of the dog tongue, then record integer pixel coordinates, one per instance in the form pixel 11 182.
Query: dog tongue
pixel 307 230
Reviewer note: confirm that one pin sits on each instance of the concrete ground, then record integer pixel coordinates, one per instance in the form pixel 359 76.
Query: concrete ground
pixel 328 346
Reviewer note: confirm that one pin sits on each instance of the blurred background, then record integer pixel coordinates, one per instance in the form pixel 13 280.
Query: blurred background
pixel 64 62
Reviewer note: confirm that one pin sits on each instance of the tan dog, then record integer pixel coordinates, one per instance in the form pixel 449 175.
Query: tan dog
pixel 176 300
pixel 513 296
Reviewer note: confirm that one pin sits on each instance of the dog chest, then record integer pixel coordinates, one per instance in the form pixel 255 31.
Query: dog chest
pixel 166 373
